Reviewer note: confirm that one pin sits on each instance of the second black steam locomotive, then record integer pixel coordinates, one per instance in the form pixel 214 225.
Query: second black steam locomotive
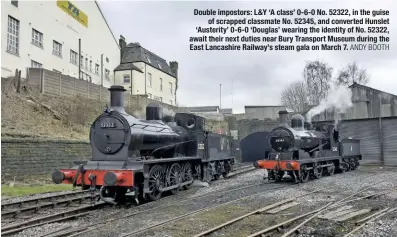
pixel 144 158
pixel 306 152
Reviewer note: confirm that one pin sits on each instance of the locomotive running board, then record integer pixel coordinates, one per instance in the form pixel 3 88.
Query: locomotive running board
pixel 175 186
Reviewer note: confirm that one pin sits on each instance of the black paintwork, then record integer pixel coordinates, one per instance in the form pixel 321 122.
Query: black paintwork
pixel 322 142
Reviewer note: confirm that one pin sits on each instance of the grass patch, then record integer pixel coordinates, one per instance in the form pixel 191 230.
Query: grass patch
pixel 23 190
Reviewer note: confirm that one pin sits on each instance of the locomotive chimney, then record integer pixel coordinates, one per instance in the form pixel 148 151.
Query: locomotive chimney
pixel 283 115
pixel 154 111
pixel 117 98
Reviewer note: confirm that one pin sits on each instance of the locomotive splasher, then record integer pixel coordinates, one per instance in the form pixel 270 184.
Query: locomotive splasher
pixel 142 158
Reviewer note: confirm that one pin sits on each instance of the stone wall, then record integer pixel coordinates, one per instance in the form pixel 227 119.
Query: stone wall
pixel 23 157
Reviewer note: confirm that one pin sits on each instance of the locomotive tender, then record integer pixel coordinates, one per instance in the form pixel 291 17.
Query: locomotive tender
pixel 305 152
pixel 144 158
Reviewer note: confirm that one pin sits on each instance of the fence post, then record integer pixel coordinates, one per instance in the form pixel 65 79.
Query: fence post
pixel 100 93
pixel 42 80
pixel 60 84
pixel 382 158
pixel 74 85
pixel 19 81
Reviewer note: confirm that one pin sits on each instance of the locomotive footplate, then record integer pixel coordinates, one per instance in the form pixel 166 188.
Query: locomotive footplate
pixel 290 165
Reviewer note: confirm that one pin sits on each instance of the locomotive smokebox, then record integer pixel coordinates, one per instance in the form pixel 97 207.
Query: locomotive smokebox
pixel 117 98
pixel 283 116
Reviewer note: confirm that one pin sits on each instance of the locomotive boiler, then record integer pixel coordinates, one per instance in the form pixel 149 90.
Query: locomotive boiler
pixel 144 158
pixel 303 152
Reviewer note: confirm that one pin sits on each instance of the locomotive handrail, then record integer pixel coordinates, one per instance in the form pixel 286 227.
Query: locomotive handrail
pixel 317 148
pixel 169 146
pixel 145 126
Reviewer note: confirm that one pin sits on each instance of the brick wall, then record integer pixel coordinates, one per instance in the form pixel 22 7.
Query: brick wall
pixel 20 157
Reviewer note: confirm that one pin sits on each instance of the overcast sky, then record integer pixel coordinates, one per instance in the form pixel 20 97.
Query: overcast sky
pixel 257 77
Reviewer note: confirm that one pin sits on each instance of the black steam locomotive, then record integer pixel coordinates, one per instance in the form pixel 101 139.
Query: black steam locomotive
pixel 144 158
pixel 303 152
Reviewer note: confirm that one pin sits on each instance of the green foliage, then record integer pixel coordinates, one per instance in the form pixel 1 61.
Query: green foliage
pixel 23 190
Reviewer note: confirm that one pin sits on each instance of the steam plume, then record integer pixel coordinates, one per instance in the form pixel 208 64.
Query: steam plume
pixel 339 99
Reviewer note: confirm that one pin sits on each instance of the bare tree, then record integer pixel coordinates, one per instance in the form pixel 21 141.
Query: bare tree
pixel 317 77
pixel 352 73
pixel 294 96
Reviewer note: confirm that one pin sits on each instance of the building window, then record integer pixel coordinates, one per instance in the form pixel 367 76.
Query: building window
pixel 89 78
pixel 86 63
pixel 90 65
pixel 56 71
pixel 96 68
pixel 171 88
pixel 36 64
pixel 73 57
pixel 161 84
pixel 37 38
pixel 13 36
pixel 149 95
pixel 126 78
pixel 107 73
pixel 107 59
pixel 170 102
pixel 161 99
pixel 57 49
pixel 149 79
pixel 15 3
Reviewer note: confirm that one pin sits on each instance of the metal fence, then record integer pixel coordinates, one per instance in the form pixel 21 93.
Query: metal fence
pixel 57 84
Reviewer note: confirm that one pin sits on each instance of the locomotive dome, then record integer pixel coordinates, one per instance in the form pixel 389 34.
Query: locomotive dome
pixel 297 121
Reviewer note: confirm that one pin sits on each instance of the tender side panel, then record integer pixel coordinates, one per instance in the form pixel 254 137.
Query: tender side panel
pixel 125 178
pixel 219 146
pixel 350 147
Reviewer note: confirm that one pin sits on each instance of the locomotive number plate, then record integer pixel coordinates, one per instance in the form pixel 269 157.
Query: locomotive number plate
pixel 201 146
pixel 108 125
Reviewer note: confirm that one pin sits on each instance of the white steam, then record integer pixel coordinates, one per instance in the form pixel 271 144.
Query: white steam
pixel 339 99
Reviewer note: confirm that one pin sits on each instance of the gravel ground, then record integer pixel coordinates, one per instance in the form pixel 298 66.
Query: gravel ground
pixel 111 212
pixel 336 188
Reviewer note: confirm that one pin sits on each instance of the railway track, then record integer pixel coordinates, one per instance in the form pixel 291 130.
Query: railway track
pixel 241 170
pixel 91 227
pixel 310 215
pixel 56 217
pixel 287 203
pixel 15 209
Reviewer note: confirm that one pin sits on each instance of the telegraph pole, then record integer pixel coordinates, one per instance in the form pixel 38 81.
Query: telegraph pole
pixel 220 96
pixel 232 93
pixel 79 59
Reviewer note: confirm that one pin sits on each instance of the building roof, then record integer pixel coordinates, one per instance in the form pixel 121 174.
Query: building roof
pixel 202 109
pixel 355 84
pixel 263 106
pixel 226 111
pixel 127 66
pixel 99 8
pixel 134 52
